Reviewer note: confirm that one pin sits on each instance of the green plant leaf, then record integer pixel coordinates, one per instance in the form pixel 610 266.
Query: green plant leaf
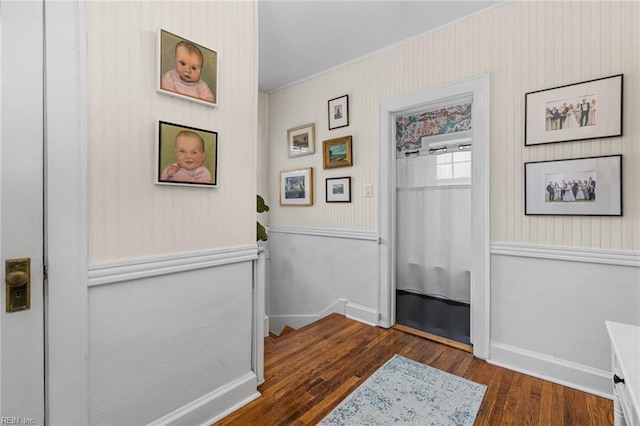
pixel 261 232
pixel 262 206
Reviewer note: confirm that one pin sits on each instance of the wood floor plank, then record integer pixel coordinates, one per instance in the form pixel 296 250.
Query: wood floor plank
pixel 308 372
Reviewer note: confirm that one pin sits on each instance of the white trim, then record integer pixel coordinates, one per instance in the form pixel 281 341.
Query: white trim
pixel 361 313
pixel 571 254
pixel 566 373
pixel 110 273
pixel 479 87
pixel 323 232
pixel 278 322
pixel 234 395
pixel 66 203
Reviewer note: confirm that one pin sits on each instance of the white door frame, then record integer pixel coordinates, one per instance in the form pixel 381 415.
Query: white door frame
pixel 479 88
pixel 66 180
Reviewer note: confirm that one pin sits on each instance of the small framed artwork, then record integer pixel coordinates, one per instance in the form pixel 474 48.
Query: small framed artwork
pixel 338 190
pixel 337 152
pixel 579 187
pixel 301 140
pixel 186 156
pixel 339 112
pixel 588 110
pixel 186 69
pixel 296 187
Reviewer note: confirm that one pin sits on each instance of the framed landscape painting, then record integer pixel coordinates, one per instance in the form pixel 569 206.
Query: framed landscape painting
pixel 578 187
pixel 301 140
pixel 337 153
pixel 588 110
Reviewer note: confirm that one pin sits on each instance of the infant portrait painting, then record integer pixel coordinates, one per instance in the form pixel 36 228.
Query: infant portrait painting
pixel 186 156
pixel 187 69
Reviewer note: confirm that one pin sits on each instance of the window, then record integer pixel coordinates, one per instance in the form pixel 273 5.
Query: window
pixel 453 167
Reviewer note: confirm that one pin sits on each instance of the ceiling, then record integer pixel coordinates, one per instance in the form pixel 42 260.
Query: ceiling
pixel 301 38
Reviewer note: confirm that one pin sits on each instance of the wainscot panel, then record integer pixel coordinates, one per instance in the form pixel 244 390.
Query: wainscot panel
pixel 171 345
pixel 314 272
pixel 549 307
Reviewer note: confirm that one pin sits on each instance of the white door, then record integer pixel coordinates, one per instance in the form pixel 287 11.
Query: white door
pixel 22 368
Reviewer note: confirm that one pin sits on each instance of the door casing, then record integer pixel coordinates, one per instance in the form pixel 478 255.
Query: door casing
pixel 479 88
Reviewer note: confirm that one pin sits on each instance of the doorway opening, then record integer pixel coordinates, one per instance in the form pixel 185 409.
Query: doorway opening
pixel 439 269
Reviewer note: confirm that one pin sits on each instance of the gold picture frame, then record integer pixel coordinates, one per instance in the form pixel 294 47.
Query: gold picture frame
pixel 337 153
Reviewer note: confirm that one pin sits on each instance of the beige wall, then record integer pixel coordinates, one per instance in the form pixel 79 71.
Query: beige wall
pixel 525 46
pixel 130 216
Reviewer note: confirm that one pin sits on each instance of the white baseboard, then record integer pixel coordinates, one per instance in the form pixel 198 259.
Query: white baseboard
pixel 566 373
pixel 361 313
pixel 222 402
pixel 353 311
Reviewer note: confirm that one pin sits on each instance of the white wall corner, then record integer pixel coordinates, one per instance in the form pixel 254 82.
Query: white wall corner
pixel 278 322
pixel 221 402
pixel 545 367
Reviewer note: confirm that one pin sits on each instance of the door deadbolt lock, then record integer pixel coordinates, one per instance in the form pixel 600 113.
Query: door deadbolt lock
pixel 18 284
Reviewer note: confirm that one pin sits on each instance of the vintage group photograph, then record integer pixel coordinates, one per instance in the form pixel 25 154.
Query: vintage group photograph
pixel 296 187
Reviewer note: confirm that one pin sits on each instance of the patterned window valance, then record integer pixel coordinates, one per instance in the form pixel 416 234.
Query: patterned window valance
pixel 434 122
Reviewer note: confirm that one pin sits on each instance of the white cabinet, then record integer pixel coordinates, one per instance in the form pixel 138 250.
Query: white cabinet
pixel 625 357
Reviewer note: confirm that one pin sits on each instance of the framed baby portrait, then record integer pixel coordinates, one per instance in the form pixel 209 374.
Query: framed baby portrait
pixel 301 140
pixel 339 112
pixel 579 111
pixel 589 186
pixel 296 187
pixel 338 190
pixel 186 156
pixel 187 69
pixel 337 153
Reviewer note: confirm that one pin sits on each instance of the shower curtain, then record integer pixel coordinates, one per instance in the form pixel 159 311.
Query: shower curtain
pixel 433 236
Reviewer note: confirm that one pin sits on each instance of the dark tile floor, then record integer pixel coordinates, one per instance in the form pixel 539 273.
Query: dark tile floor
pixel 443 318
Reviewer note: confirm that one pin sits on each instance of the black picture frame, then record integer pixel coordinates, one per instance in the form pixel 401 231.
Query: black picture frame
pixel 201 171
pixel 588 186
pixel 580 111
pixel 338 110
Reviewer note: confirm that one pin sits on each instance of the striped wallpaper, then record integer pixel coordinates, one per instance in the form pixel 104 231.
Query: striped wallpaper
pixel 525 46
pixel 130 216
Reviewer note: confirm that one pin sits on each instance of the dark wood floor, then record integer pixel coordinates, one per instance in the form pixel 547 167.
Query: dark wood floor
pixel 307 373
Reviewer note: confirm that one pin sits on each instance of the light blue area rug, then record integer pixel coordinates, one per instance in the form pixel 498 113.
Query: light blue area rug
pixel 406 392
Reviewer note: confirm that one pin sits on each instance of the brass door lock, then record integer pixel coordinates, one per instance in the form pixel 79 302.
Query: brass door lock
pixel 18 284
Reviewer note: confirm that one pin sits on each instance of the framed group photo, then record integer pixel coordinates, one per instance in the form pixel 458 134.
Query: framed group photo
pixel 337 153
pixel 186 69
pixel 339 112
pixel 301 140
pixel 296 187
pixel 186 156
pixel 589 186
pixel 587 110
pixel 338 190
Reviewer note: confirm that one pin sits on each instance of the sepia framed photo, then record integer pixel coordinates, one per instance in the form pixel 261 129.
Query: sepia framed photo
pixel 339 112
pixel 589 186
pixel 587 110
pixel 296 187
pixel 186 69
pixel 186 156
pixel 337 153
pixel 301 140
pixel 338 190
